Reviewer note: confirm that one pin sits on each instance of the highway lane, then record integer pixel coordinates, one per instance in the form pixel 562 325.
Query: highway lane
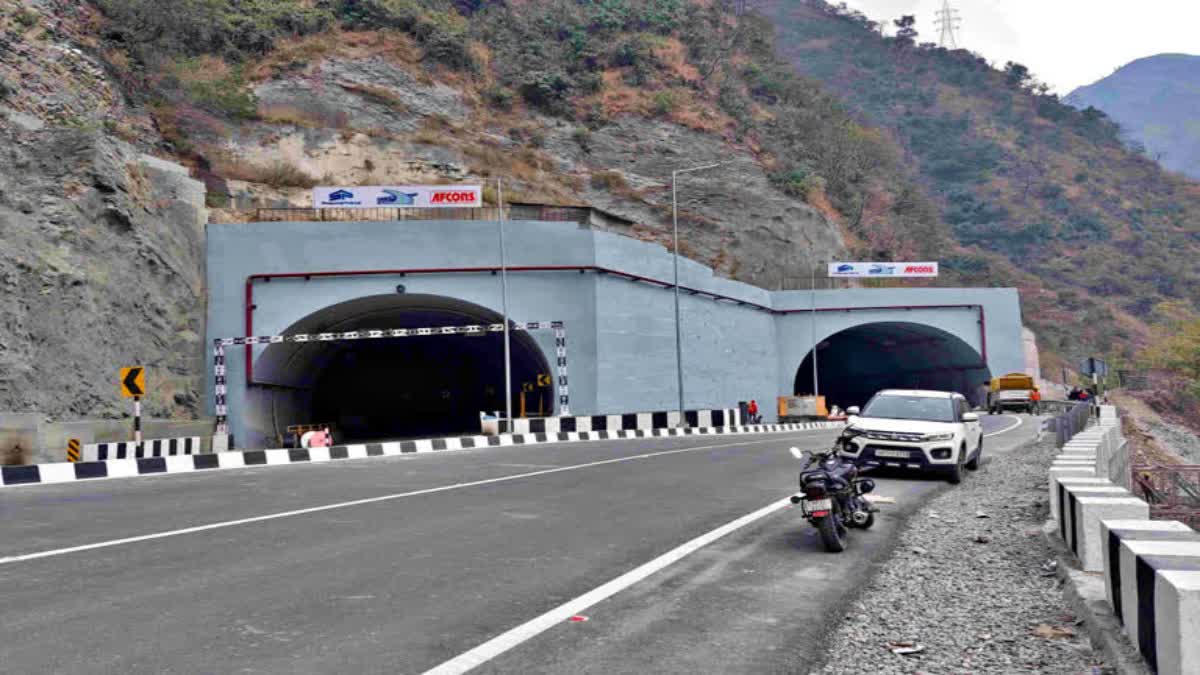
pixel 400 584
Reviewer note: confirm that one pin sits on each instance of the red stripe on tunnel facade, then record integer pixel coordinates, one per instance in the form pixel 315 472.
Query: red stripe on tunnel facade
pixel 716 297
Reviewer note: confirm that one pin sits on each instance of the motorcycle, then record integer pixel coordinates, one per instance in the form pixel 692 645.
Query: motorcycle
pixel 831 495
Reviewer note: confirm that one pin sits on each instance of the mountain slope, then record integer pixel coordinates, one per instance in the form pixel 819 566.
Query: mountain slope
pixel 1015 172
pixel 1156 100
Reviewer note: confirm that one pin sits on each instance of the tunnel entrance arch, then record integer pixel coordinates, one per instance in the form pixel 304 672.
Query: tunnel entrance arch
pixel 854 363
pixel 395 366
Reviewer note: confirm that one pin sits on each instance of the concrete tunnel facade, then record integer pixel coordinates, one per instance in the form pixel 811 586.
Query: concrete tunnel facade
pixel 614 298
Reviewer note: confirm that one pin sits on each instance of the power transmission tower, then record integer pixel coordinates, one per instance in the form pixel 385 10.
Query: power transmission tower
pixel 950 22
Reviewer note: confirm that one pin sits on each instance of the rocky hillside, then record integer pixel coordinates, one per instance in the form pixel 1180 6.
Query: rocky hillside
pixel 1101 234
pixel 101 262
pixel 1156 100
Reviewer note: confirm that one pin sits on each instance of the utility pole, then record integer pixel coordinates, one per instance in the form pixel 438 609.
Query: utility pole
pixel 813 290
pixel 504 307
pixel 950 22
pixel 675 256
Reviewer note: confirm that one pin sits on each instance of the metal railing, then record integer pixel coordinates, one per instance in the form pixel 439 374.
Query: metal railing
pixel 373 214
pixel 1173 492
pixel 1071 422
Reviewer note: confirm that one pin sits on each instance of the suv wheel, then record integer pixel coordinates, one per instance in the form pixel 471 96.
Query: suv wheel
pixel 956 474
pixel 973 465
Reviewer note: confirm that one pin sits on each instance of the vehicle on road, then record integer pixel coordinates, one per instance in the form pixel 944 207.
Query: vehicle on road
pixel 1011 392
pixel 914 429
pixel 831 496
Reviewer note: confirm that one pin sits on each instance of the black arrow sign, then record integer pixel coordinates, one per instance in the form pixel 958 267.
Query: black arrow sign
pixel 130 382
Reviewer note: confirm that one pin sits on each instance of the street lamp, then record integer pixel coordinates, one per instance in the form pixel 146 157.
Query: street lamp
pixel 675 235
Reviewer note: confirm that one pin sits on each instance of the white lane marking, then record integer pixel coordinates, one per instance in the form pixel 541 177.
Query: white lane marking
pixel 1007 429
pixel 532 628
pixel 357 502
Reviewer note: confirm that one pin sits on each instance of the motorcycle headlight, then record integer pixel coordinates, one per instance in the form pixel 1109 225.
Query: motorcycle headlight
pixel 939 437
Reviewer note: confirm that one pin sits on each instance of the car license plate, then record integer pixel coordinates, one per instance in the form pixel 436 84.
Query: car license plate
pixel 896 454
pixel 811 505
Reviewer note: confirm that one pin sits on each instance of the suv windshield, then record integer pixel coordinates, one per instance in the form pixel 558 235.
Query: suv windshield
pixel 923 408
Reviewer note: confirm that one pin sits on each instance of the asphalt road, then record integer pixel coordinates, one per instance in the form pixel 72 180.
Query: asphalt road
pixel 438 554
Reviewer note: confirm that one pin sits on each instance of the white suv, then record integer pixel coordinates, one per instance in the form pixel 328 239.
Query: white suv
pixel 926 430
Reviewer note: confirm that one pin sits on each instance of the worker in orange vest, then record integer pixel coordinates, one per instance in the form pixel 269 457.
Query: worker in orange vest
pixel 753 410
pixel 1035 398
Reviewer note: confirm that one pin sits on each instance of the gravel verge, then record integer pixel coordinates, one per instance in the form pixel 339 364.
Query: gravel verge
pixel 968 586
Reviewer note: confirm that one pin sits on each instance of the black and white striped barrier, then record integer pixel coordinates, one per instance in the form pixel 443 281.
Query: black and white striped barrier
pixel 1154 588
pixel 643 421
pixel 155 447
pixel 220 371
pixel 61 472
pixel 1151 568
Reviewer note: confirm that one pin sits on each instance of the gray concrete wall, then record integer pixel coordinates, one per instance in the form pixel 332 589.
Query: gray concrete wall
pixel 621 340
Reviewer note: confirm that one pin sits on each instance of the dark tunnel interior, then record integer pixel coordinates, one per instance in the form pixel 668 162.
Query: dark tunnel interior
pixel 855 363
pixel 394 388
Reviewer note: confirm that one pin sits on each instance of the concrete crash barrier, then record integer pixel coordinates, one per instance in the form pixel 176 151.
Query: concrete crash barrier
pixel 1058 497
pixel 60 472
pixel 1115 531
pixel 643 421
pixel 157 447
pixel 1072 526
pixel 1177 622
pixel 1138 569
pixel 1083 515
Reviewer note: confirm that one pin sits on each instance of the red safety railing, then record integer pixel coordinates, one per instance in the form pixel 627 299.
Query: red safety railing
pixel 1173 491
pixel 579 269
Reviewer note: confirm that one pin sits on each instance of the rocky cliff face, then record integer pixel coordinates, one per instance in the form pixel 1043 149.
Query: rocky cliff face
pixel 101 246
pixel 376 119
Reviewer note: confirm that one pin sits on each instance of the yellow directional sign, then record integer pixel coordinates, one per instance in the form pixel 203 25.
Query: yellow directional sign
pixel 133 382
pixel 72 449
pixel 543 380
pixel 527 386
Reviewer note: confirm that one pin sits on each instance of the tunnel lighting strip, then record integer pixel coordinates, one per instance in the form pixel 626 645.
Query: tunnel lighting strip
pixel 220 383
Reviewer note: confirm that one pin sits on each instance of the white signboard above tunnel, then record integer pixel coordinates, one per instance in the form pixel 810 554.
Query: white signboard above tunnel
pixel 402 196
pixel 888 269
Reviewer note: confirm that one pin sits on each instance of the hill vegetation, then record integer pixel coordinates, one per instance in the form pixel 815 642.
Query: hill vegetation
pixel 1156 101
pixel 1015 172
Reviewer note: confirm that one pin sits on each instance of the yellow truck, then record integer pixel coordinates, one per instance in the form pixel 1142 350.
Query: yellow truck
pixel 1013 391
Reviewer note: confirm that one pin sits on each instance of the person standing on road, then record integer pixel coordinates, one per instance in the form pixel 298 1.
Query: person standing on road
pixel 1035 399
pixel 753 410
pixel 981 395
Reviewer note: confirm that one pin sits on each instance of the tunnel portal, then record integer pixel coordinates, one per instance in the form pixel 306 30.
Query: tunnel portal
pixel 857 362
pixel 391 388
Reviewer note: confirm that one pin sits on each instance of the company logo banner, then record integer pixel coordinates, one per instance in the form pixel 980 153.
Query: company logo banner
pixel 888 269
pixel 412 196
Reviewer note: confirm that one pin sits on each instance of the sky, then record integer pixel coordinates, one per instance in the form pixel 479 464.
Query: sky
pixel 1065 43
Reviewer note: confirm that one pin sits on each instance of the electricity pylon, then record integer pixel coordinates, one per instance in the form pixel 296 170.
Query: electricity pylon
pixel 950 22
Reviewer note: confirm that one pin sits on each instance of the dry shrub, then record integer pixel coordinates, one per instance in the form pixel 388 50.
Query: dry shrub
pixel 278 174
pixel 377 94
pixel 286 113
pixel 613 181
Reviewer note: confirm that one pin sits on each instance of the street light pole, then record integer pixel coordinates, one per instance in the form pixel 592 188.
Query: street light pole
pixel 813 291
pixel 504 308
pixel 675 261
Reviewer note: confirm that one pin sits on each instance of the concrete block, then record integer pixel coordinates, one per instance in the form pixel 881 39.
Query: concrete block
pixel 1177 622
pixel 1068 525
pixel 1086 514
pixel 1113 532
pixel 1136 565
pixel 1055 481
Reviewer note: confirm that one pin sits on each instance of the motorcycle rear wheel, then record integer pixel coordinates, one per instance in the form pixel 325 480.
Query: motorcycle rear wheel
pixel 832 535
